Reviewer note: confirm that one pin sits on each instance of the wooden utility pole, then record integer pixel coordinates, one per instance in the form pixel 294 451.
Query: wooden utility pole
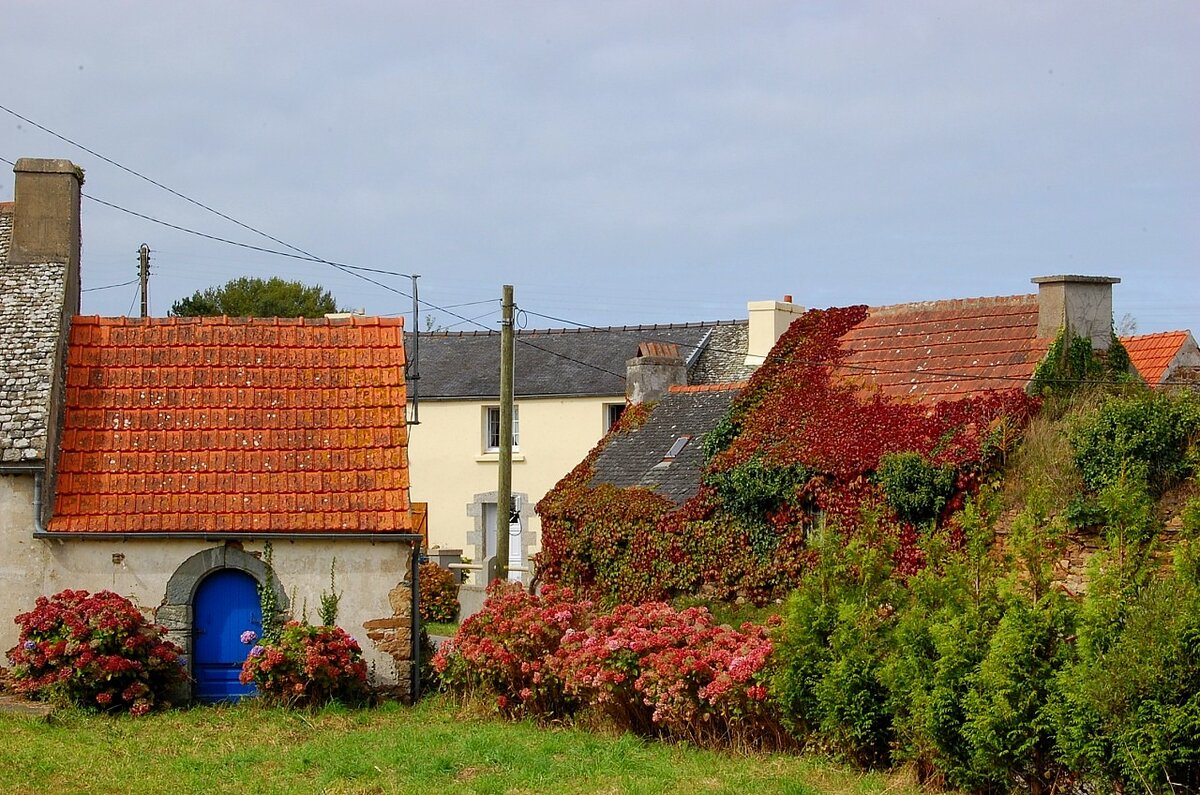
pixel 413 363
pixel 144 277
pixel 504 488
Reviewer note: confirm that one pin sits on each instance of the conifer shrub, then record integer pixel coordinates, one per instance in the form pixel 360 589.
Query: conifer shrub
pixel 96 651
pixel 438 594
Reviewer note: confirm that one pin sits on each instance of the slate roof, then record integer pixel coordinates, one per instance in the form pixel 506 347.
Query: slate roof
pixel 940 350
pixel 636 458
pixel 30 298
pixel 213 425
pixel 553 362
pixel 1153 355
pixel 6 222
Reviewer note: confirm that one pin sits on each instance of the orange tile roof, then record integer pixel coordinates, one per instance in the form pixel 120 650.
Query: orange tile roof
pixel 947 349
pixel 212 425
pixel 1152 354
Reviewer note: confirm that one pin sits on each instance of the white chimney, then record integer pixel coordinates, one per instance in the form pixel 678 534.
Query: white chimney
pixel 1080 304
pixel 768 321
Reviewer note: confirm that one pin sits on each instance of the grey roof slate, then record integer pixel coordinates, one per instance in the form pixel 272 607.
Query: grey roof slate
pixel 566 362
pixel 635 458
pixel 31 300
pixel 723 359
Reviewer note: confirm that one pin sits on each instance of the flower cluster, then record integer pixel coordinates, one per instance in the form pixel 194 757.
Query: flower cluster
pixel 309 665
pixel 654 669
pixel 800 444
pixel 649 668
pixel 95 650
pixel 439 593
pixel 504 651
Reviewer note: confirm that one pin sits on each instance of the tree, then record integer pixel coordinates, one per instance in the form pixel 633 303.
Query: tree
pixel 254 297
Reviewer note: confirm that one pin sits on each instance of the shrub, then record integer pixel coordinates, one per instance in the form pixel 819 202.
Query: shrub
pixel 656 670
pixel 504 650
pixel 1149 437
pixel 308 666
pixel 915 488
pixel 439 594
pixel 96 651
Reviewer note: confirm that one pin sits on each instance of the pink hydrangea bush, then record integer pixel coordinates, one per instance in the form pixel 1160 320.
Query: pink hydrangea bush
pixel 308 666
pixel 656 670
pixel 96 651
pixel 504 651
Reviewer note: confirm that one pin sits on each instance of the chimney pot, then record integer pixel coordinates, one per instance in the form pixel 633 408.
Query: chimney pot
pixel 651 374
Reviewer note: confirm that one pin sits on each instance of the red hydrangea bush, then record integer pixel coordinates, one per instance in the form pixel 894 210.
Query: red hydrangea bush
pixel 656 670
pixel 504 651
pixel 95 650
pixel 308 666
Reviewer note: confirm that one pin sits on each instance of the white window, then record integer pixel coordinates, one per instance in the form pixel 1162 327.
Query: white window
pixel 612 413
pixel 491 429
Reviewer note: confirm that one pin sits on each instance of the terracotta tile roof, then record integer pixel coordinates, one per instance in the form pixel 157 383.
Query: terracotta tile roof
pixel 214 425
pixel 666 350
pixel 947 349
pixel 1153 354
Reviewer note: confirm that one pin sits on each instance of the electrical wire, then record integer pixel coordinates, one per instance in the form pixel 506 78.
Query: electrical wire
pixel 108 286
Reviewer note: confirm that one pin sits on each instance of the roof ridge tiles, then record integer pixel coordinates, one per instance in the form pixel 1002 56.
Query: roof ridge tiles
pixel 953 303
pixel 229 320
pixel 725 387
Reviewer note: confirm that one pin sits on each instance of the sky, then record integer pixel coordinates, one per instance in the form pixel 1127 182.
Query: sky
pixel 622 162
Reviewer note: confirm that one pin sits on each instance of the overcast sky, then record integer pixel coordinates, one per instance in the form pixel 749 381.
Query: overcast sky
pixel 626 162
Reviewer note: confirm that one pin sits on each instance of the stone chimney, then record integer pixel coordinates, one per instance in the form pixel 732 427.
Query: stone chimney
pixel 1080 304
pixel 651 374
pixel 768 321
pixel 46 219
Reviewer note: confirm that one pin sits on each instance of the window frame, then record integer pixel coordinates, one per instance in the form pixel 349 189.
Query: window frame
pixel 491 429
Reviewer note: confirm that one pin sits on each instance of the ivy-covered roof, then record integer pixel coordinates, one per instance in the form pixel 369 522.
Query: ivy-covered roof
pixel 640 457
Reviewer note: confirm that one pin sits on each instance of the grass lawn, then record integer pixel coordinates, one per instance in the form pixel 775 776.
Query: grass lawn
pixel 435 747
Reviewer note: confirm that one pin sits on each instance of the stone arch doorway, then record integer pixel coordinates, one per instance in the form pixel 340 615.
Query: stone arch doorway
pixel 177 611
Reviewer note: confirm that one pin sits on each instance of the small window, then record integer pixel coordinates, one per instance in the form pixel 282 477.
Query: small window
pixel 677 447
pixel 491 429
pixel 612 413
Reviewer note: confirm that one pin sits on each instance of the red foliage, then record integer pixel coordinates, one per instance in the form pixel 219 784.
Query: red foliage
pixel 795 415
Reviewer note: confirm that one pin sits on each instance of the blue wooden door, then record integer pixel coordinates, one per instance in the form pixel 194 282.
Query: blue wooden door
pixel 226 605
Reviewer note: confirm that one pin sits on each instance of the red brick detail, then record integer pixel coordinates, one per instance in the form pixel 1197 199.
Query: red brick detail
pixel 214 425
pixel 666 350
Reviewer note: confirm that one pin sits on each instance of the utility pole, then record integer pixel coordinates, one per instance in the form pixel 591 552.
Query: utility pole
pixel 144 277
pixel 504 488
pixel 414 363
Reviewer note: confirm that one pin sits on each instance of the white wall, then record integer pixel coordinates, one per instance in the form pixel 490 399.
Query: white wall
pixel 366 571
pixel 448 466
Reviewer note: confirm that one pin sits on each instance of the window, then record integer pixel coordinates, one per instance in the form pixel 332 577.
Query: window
pixel 612 413
pixel 677 448
pixel 491 429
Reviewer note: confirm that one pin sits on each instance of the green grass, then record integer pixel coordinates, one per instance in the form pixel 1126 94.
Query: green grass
pixel 435 747
pixel 439 628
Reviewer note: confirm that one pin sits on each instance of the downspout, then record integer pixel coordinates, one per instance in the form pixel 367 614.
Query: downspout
pixel 38 529
pixel 416 620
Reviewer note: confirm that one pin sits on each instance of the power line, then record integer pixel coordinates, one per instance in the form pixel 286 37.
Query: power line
pixel 108 286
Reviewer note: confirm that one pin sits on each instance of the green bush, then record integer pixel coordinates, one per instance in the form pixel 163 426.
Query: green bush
pixel 915 488
pixel 438 594
pixel 1149 437
pixel 752 490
